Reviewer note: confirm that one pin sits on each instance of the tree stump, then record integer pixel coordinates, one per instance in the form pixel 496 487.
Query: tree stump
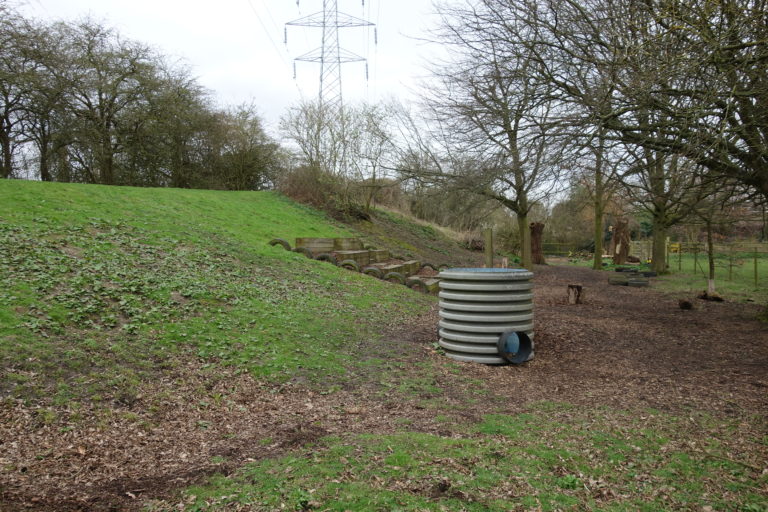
pixel 575 293
pixel 537 252
pixel 621 241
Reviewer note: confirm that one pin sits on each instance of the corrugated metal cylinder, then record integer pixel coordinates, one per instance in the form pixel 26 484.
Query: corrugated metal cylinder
pixel 477 305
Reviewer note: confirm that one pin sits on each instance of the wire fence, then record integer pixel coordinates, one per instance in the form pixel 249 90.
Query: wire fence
pixel 565 250
pixel 744 262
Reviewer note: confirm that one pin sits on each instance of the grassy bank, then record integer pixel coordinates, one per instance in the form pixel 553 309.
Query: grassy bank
pixel 104 286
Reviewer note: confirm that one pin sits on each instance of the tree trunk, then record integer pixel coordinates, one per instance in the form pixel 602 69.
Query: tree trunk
pixel 107 168
pixel 597 262
pixel 599 203
pixel 5 146
pixel 537 251
pixel 371 193
pixel 525 241
pixel 659 251
pixel 488 247
pixel 711 258
pixel 620 241
pixel 657 177
pixel 44 147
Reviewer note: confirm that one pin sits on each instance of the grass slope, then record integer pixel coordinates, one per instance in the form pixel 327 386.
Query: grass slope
pixel 102 286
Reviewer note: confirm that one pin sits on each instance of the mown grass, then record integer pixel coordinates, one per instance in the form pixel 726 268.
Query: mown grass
pixel 734 275
pixel 552 458
pixel 101 286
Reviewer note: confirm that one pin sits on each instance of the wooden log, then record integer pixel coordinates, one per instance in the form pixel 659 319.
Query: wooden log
pixel 347 244
pixel 575 293
pixel 316 245
pixel 362 258
pixel 392 268
pixel 433 286
pixel 621 241
pixel 379 255
pixel 411 267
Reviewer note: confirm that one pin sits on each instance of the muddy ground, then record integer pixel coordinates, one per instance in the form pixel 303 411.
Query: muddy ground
pixel 625 348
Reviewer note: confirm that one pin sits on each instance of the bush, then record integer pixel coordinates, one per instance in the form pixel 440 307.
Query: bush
pixel 310 185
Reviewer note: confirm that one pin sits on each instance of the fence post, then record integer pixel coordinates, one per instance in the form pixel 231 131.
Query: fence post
pixel 695 258
pixel 488 248
pixel 680 257
pixel 756 280
pixel 730 263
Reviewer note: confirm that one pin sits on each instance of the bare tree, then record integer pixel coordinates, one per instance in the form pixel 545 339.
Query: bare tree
pixel 699 68
pixel 490 108
pixel 16 68
pixel 351 146
pixel 601 162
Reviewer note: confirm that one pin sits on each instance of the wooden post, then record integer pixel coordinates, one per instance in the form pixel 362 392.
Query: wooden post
pixel 575 293
pixel 537 249
pixel 756 280
pixel 489 248
pixel 621 241
pixel 700 268
pixel 695 258
pixel 680 257
pixel 730 263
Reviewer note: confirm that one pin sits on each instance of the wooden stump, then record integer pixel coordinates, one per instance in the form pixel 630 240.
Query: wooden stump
pixel 537 252
pixel 575 293
pixel 621 241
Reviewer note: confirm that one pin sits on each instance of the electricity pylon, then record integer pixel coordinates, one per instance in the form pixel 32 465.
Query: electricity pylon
pixel 329 55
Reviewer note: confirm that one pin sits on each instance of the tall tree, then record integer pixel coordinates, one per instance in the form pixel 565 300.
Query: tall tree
pixel 108 76
pixel 699 67
pixel 16 70
pixel 249 159
pixel 497 111
pixel 348 147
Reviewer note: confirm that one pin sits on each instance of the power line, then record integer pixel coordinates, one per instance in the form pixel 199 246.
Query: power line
pixel 272 41
pixel 269 13
pixel 266 31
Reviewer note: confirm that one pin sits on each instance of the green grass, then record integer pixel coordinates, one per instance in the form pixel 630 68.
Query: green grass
pixel 101 286
pixel 734 275
pixel 553 458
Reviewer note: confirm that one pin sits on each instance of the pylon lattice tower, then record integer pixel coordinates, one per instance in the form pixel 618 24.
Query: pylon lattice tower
pixel 330 55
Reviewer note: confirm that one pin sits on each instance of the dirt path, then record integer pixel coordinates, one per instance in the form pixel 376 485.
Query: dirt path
pixel 624 347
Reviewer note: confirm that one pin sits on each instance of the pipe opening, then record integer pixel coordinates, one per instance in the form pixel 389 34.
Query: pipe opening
pixel 514 346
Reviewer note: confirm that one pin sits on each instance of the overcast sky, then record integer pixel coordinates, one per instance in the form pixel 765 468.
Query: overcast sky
pixel 236 48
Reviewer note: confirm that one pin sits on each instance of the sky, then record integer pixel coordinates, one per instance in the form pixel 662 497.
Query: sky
pixel 236 48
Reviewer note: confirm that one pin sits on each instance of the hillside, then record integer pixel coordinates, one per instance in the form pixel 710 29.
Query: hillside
pixel 157 354
pixel 97 277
